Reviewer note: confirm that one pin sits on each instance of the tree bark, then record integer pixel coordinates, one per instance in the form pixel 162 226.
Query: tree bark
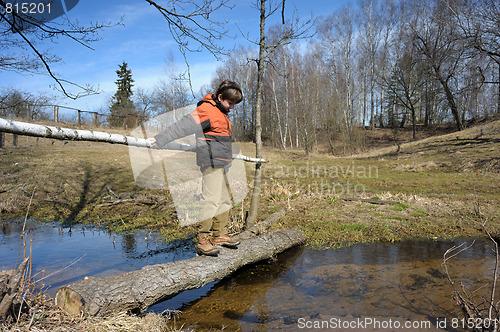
pixel 254 203
pixel 9 284
pixel 137 290
pixel 450 98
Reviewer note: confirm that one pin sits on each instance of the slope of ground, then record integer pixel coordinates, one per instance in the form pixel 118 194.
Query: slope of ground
pixel 436 185
pixel 440 186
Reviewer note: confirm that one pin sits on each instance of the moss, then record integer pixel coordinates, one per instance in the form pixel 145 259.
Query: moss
pixel 399 207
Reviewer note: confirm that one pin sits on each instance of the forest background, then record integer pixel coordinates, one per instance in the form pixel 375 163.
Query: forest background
pixel 369 63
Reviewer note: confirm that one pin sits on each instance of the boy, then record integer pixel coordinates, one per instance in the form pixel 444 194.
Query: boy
pixel 214 156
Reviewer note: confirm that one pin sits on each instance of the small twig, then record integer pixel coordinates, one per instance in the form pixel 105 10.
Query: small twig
pixel 12 189
pixel 64 268
pixel 371 201
pixel 24 191
pixel 128 200
pixel 483 222
pixel 24 225
pixel 112 192
pixel 56 201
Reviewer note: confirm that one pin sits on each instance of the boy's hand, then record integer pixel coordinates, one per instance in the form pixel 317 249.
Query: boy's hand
pixel 151 141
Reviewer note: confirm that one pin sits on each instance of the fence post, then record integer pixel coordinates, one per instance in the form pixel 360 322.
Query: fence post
pixel 125 122
pixel 14 139
pixel 79 118
pixel 2 138
pixel 96 122
pixel 56 114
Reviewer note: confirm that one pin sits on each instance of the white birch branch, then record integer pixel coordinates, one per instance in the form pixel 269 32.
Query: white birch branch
pixel 37 130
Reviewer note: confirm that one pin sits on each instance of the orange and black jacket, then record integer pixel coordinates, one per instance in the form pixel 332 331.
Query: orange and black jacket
pixel 212 127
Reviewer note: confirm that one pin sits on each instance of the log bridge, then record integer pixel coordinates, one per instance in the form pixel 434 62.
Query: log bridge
pixel 135 291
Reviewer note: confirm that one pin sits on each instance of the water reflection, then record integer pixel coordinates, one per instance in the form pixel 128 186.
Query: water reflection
pixel 401 282
pixel 129 244
pixel 69 254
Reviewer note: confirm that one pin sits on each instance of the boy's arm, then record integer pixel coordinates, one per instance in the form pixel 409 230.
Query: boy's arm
pixel 186 126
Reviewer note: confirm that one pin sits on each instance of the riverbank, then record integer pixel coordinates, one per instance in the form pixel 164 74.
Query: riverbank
pixel 429 188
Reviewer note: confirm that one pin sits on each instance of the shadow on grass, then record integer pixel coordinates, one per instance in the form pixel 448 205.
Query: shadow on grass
pixel 82 202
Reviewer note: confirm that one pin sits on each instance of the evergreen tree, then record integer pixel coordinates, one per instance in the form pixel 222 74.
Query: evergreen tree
pixel 122 102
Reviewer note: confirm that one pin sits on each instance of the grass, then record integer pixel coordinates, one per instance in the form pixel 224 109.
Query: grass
pixel 434 184
pixel 434 192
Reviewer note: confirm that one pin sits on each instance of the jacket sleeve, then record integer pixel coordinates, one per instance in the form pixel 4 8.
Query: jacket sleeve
pixel 184 127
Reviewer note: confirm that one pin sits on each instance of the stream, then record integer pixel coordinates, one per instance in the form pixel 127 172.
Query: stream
pixel 376 286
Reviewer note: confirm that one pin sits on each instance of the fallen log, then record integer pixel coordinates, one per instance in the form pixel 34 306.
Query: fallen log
pixel 371 201
pixel 9 283
pixel 135 291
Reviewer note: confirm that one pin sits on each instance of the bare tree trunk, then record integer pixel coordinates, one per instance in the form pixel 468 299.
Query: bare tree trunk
pixel 364 102
pixel 254 204
pixel 450 98
pixel 372 100
pixel 413 120
pixel 498 103
pixel 287 103
pixel 282 139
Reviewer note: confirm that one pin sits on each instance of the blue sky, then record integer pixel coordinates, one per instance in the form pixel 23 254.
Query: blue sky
pixel 145 44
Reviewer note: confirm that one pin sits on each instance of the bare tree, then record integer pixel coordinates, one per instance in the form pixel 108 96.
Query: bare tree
pixel 406 83
pixel 20 35
pixel 189 22
pixel 295 29
pixel 21 104
pixel 479 25
pixel 239 68
pixel 193 28
pixel 338 34
pixel 389 23
pixel 436 38
pixel 144 102
pixel 370 41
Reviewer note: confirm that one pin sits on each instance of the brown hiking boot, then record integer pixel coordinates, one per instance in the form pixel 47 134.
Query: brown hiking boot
pixel 226 240
pixel 206 247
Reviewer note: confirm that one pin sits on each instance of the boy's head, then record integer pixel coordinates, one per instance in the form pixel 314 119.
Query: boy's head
pixel 229 93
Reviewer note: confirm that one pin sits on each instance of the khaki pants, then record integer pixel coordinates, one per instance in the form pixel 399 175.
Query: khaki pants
pixel 215 203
